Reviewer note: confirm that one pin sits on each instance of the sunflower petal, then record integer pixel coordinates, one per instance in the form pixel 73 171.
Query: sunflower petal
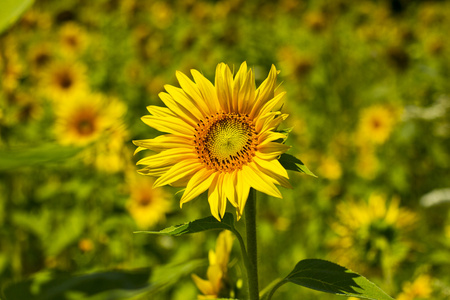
pixel 199 183
pixel 207 90
pixel 213 198
pixel 259 181
pixel 182 169
pixel 169 125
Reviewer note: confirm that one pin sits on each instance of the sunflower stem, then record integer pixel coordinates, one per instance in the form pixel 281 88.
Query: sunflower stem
pixel 250 228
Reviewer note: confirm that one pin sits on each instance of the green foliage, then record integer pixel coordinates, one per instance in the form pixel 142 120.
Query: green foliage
pixel 292 163
pixel 52 286
pixel 208 223
pixel 10 11
pixel 331 278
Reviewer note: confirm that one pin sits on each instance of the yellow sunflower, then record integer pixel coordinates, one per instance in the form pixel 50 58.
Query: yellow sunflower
pixel 375 124
pixel 73 39
pixel 420 288
pixel 146 205
pixel 65 80
pixel 81 121
pixel 221 138
pixel 368 231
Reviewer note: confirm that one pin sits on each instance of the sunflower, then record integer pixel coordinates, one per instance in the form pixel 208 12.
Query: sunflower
pixel 40 56
pixel 219 138
pixel 81 121
pixel 65 80
pixel 368 231
pixel 217 274
pixel 146 205
pixel 73 39
pixel 420 288
pixel 375 124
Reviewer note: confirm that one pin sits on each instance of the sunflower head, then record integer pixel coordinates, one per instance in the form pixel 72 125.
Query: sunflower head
pixel 221 138
pixel 73 38
pixel 375 124
pixel 65 80
pixel 367 231
pixel 147 206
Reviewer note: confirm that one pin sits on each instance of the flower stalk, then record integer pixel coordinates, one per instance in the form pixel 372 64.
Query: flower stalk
pixel 250 227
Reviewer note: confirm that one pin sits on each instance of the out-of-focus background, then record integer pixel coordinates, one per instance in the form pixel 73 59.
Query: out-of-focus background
pixel 368 95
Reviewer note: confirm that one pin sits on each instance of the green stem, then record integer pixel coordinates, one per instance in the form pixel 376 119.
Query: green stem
pixel 250 227
pixel 275 288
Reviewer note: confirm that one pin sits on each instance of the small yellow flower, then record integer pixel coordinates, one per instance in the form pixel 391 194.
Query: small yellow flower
pixel 146 205
pixel 64 81
pixel 420 288
pixel 86 245
pixel 213 287
pixel 219 138
pixel 375 125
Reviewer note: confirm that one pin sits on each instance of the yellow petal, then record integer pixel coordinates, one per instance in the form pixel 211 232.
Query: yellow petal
pixel 222 195
pixel 213 199
pixel 182 169
pixel 271 150
pixel 167 157
pixel 169 125
pixel 274 170
pixel 199 183
pixel 164 142
pixel 207 90
pixel 229 187
pixel 193 91
pixel 265 91
pixel 178 109
pixel 203 285
pixel 159 111
pixel 184 100
pixel 260 181
pixel 242 191
pixel 224 85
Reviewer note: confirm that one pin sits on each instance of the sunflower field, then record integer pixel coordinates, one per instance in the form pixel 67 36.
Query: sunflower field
pixel 366 108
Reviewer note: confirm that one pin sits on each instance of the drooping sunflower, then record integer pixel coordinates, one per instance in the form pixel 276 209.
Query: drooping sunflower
pixel 221 138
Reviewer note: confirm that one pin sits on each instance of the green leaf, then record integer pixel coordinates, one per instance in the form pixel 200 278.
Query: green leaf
pixel 61 286
pixel 12 159
pixel 292 163
pixel 11 10
pixel 208 223
pixel 325 276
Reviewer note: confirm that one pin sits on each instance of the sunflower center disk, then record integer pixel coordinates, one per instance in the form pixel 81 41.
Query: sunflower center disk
pixel 225 142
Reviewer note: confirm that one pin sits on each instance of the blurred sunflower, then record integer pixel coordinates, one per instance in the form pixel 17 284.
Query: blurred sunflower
pixel 216 285
pixel 11 66
pixel 420 288
pixel 220 138
pixel 375 125
pixel 40 56
pixel 88 117
pixel 146 205
pixel 65 80
pixel 330 168
pixel 81 121
pixel 368 232
pixel 73 39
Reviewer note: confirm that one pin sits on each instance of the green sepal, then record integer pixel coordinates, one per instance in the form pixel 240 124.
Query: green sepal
pixel 290 162
pixel 208 223
pixel 325 276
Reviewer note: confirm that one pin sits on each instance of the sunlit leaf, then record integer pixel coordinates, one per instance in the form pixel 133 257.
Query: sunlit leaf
pixel 292 163
pixel 10 11
pixel 208 223
pixel 325 276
